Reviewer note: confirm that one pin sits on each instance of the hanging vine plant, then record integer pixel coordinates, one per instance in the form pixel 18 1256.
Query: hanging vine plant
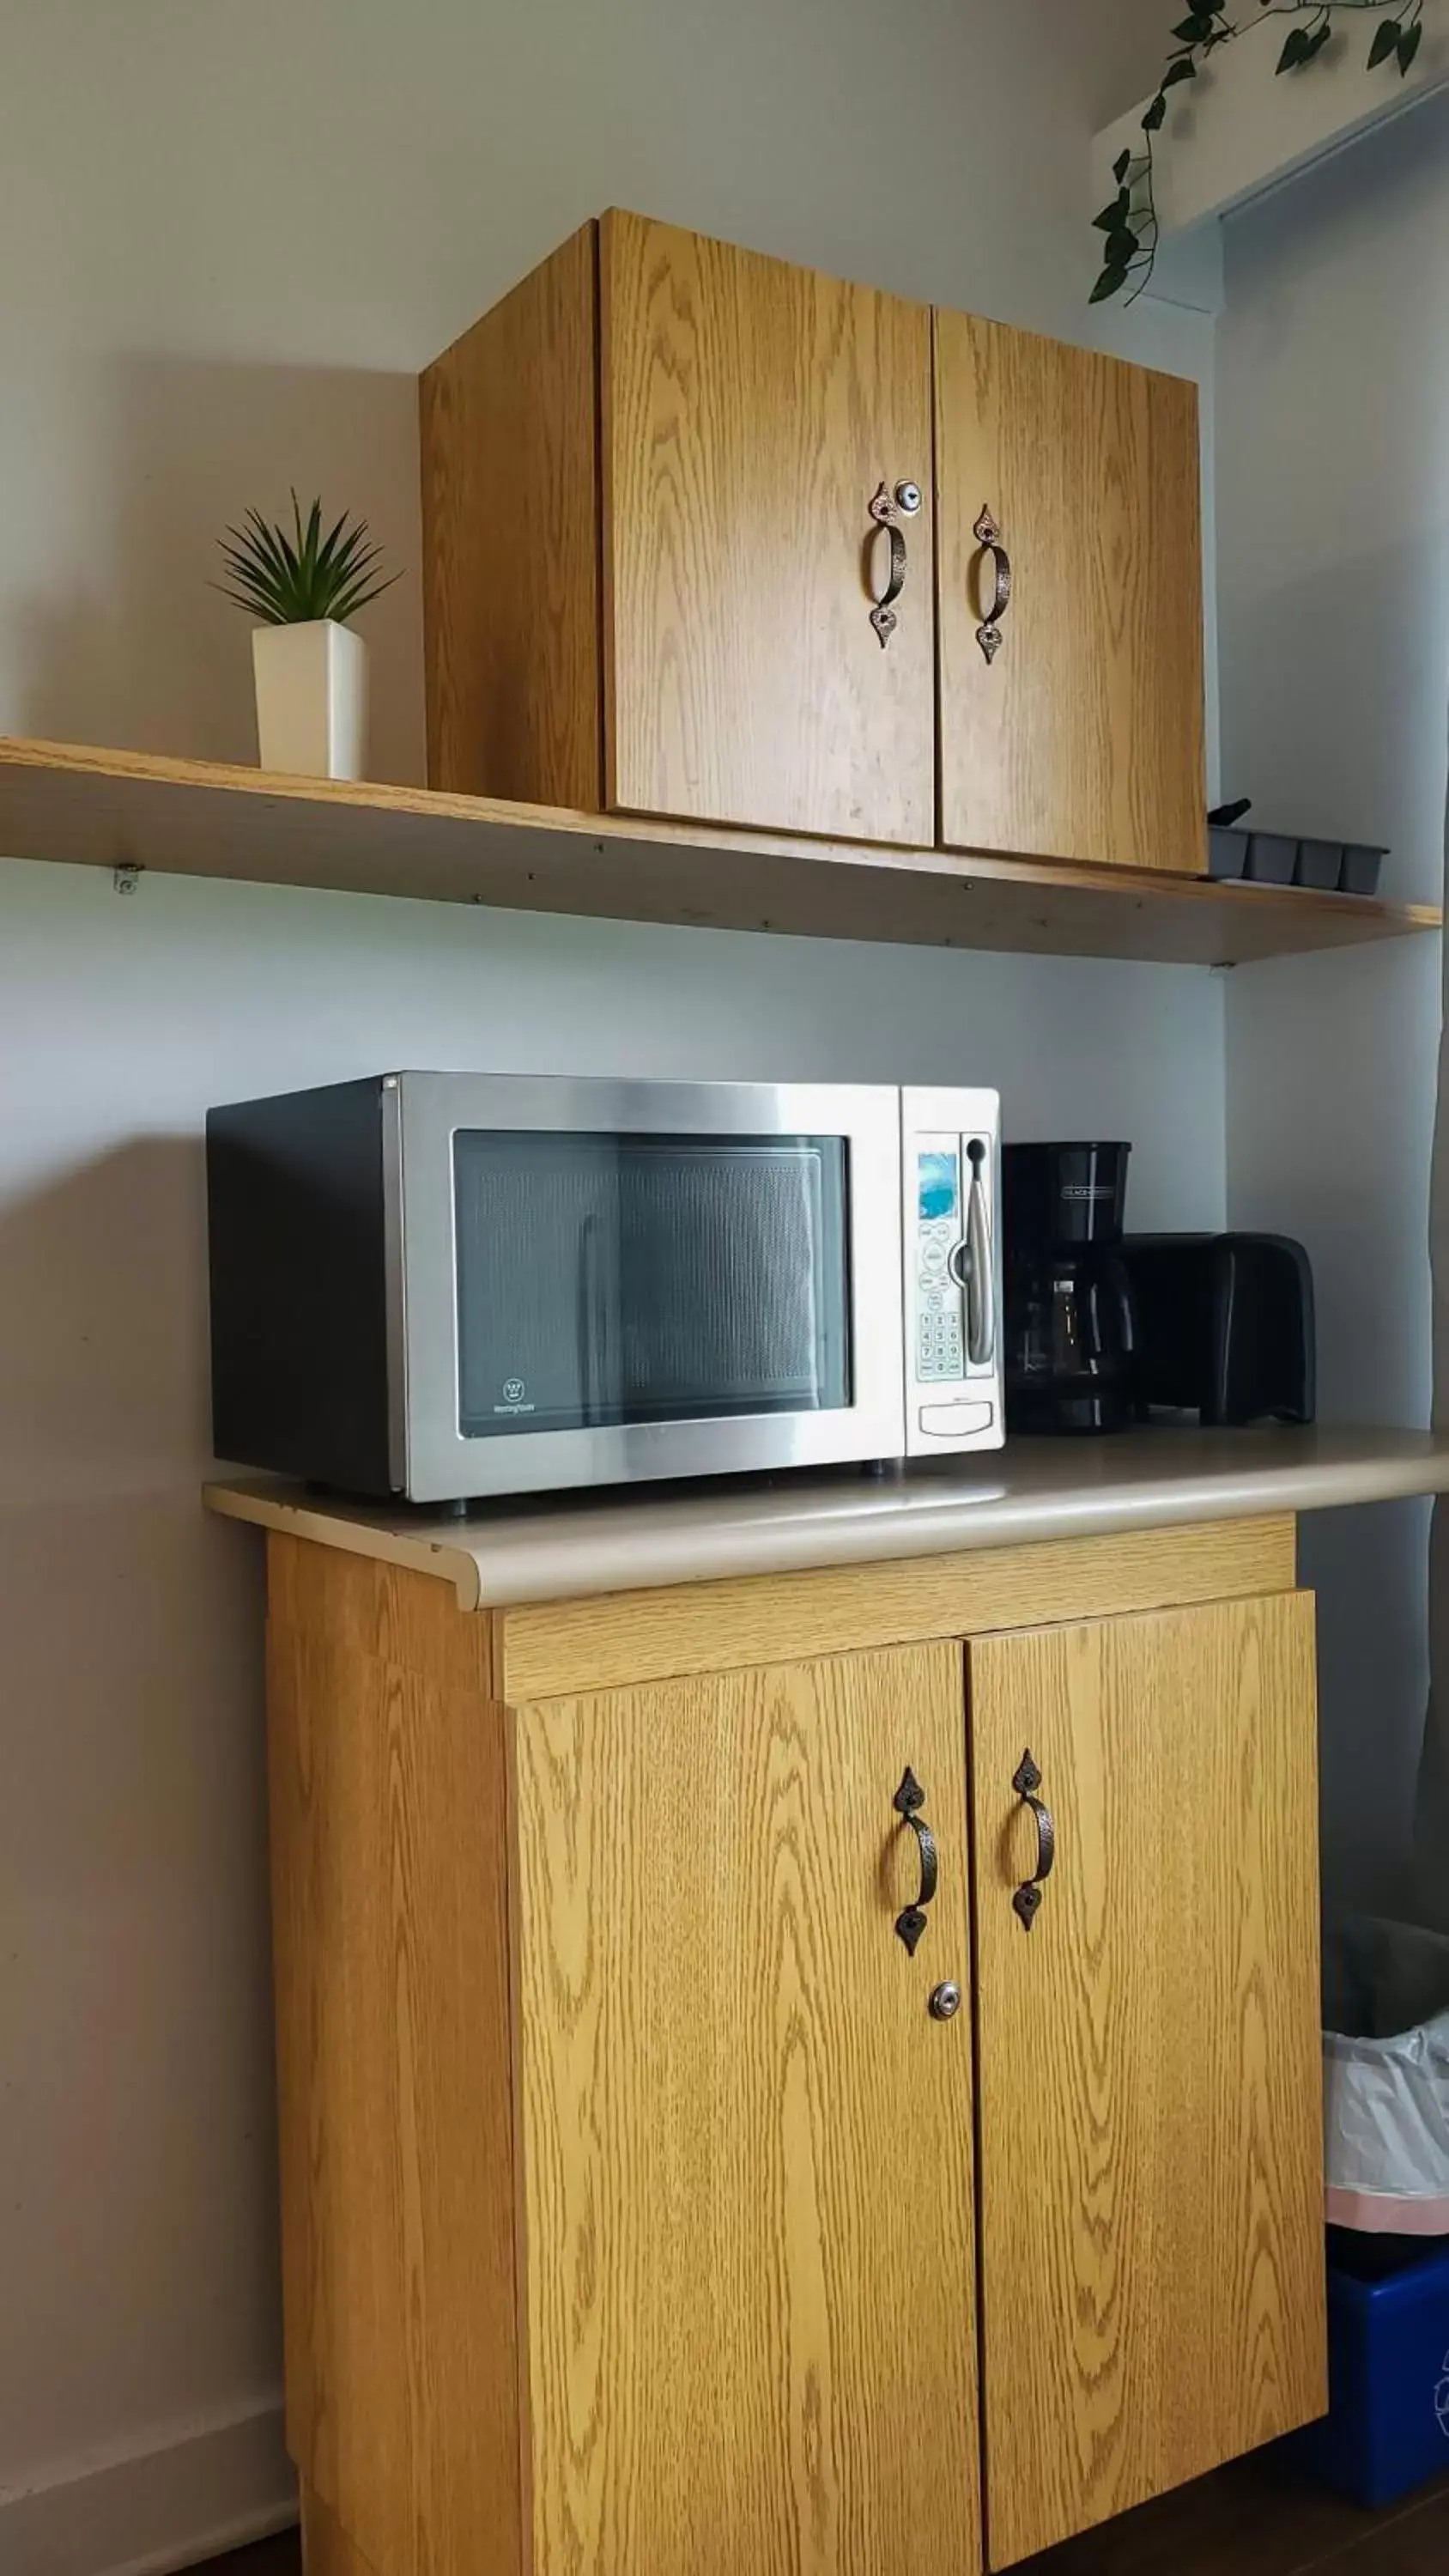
pixel 1129 220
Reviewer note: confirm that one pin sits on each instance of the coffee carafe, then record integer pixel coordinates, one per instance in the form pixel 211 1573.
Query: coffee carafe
pixel 1068 1333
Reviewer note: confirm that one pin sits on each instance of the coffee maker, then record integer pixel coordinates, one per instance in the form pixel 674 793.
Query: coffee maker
pixel 1069 1333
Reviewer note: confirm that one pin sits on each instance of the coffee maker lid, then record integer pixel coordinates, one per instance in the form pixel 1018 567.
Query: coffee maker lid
pixel 1064 1193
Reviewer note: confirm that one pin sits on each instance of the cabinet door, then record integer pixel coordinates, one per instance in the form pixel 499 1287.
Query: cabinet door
pixel 750 413
pixel 747 2144
pixel 1148 2076
pixel 1082 736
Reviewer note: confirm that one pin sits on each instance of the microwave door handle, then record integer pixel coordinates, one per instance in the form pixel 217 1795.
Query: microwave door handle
pixel 592 1318
pixel 1126 1308
pixel 980 1274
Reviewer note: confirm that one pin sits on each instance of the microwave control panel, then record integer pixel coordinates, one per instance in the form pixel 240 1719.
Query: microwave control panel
pixel 953 1394
pixel 940 1298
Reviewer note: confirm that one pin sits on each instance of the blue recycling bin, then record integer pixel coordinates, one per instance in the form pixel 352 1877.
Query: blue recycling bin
pixel 1387 2428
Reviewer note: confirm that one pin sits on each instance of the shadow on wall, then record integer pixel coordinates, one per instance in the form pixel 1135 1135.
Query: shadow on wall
pixel 137 2142
pixel 1367 1568
pixel 147 656
pixel 103 1325
pixel 1356 681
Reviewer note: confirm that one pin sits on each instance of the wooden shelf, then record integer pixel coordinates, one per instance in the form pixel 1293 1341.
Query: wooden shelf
pixel 114 809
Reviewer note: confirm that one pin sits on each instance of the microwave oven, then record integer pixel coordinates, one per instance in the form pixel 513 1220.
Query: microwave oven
pixel 451 1285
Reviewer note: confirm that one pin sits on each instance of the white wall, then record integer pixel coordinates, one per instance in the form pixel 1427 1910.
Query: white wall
pixel 233 235
pixel 1333 564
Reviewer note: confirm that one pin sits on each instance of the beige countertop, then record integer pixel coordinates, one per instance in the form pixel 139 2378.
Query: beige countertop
pixel 560 1548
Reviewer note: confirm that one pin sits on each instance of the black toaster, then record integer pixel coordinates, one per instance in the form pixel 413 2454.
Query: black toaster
pixel 1223 1325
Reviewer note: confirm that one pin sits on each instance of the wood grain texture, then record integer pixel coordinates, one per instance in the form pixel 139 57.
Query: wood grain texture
pixel 510 472
pixel 199 818
pixel 750 411
pixel 390 1614
pixel 624 1637
pixel 326 2549
pixel 388 1788
pixel 1084 737
pixel 1258 2517
pixel 748 2147
pixel 1149 2089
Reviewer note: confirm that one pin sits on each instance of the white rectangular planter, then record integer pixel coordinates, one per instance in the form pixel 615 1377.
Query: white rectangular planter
pixel 311 698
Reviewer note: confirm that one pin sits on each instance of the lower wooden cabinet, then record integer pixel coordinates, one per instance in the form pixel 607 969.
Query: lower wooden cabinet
pixel 747 2145
pixel 1149 2070
pixel 634 2192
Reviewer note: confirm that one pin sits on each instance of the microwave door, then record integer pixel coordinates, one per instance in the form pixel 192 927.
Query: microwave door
pixel 647 1280
pixel 606 1281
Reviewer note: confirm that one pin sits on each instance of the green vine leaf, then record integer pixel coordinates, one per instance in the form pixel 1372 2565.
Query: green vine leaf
pixel 1131 218
pixel 1386 42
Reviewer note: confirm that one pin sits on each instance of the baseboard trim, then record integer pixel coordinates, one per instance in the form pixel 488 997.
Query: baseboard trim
pixel 158 2511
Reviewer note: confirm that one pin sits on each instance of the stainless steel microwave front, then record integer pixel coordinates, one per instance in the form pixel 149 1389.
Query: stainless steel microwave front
pixel 435 1459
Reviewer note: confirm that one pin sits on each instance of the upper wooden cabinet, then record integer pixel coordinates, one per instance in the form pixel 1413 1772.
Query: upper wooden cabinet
pixel 509 432
pixel 686 513
pixel 1079 733
pixel 751 414
pixel 647 488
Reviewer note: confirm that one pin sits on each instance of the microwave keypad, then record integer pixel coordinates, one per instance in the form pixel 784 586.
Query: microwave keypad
pixel 939 1348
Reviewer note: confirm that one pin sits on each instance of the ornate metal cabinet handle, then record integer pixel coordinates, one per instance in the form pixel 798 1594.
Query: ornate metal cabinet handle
pixel 1026 1780
pixel 908 1801
pixel 988 537
pixel 888 508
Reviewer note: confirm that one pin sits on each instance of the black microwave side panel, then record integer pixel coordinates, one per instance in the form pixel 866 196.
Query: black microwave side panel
pixel 298 1285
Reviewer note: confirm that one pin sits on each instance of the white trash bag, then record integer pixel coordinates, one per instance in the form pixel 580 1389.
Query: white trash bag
pixel 1386 2078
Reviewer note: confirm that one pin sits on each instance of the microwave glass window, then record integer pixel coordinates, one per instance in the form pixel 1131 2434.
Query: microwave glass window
pixel 613 1278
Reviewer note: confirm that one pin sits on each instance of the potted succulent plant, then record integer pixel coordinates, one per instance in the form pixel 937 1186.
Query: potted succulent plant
pixel 309 666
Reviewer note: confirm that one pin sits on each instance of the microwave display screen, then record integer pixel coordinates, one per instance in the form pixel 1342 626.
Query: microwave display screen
pixel 619 1278
pixel 936 1186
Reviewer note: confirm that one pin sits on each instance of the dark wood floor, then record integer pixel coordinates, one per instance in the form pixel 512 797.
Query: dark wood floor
pixel 1258 2518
